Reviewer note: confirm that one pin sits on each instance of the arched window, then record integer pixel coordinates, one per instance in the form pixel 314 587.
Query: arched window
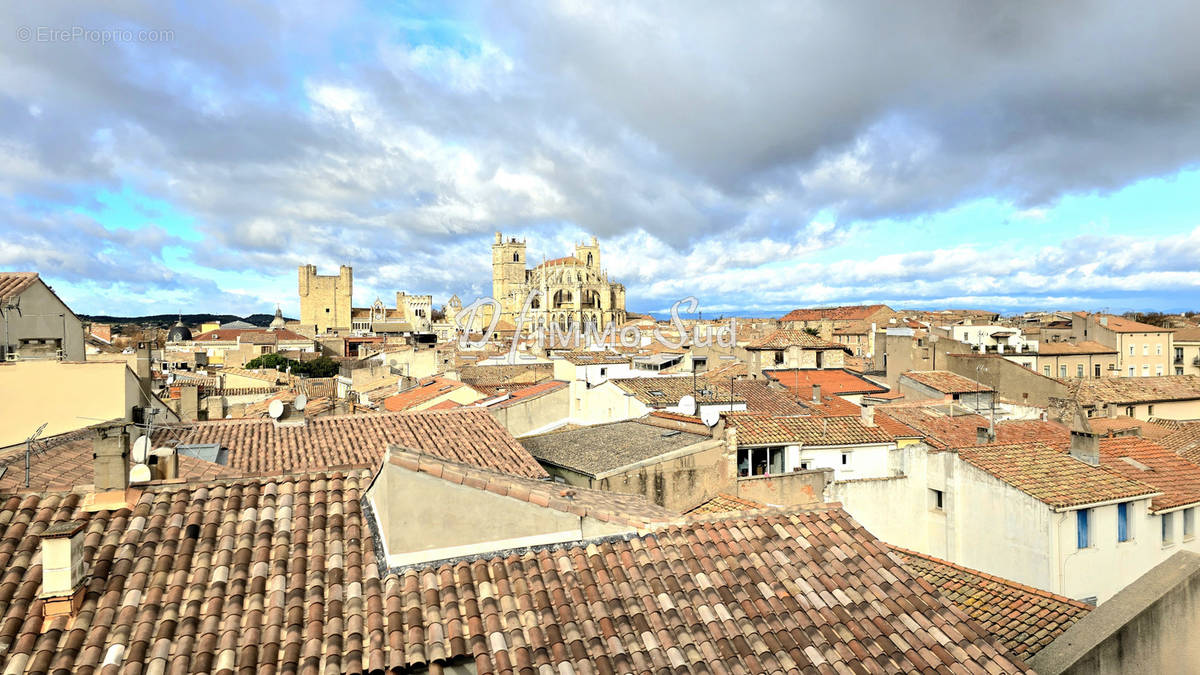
pixel 516 257
pixel 562 299
pixel 589 260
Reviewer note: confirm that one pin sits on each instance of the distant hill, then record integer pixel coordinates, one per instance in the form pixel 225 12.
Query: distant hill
pixel 168 320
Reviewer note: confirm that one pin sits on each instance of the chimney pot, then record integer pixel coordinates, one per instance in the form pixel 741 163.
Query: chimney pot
pixel 1085 446
pixel 868 415
pixel 110 453
pixel 816 394
pixel 62 568
pixel 983 436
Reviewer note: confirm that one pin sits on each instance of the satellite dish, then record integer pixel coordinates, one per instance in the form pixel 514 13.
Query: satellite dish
pixel 141 447
pixel 140 473
pixel 710 417
pixel 300 402
pixel 687 405
pixel 275 409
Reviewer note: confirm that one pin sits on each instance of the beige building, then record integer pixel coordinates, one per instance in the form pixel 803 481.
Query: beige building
pixel 573 289
pixel 34 322
pixel 1071 359
pixel 852 325
pixel 66 396
pixel 326 307
pixel 1142 350
pixel 785 349
pixel 1185 352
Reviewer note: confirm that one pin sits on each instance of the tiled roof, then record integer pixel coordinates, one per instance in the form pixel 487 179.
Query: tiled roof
pixel 598 449
pixel 784 338
pixel 1023 618
pixel 318 387
pixel 425 391
pixel 660 392
pixel 725 370
pixel 761 398
pixel 1085 347
pixel 1052 476
pixel 469 435
pixel 500 374
pixel 565 260
pixel 314 407
pixel 895 427
pixel 519 395
pixel 268 375
pixel 724 503
pixel 67 462
pixel 832 381
pixel 754 429
pixel 280 575
pixel 1186 335
pixel 594 358
pixel 251 335
pixel 946 381
pixel 843 313
pixel 1177 478
pixel 1184 442
pixel 1119 324
pixel 942 426
pixel 830 406
pixel 1109 426
pixel 13 284
pixel 1098 391
pixel 613 507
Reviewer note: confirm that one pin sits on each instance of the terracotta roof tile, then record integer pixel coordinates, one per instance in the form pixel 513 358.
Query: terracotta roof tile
pixel 594 358
pixel 1085 347
pixel 832 381
pixel 470 435
pixel 946 382
pixel 661 392
pixel 426 390
pixel 1052 476
pixel 1184 442
pixel 762 398
pixel 1177 478
pixel 1119 324
pixel 1024 619
pixel 281 575
pixel 1099 391
pixel 724 503
pixel 784 338
pixel 843 313
pixel 599 449
pixel 756 429
pixel 1111 426
pixel 13 284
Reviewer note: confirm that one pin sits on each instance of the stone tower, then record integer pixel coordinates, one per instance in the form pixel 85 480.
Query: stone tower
pixel 508 274
pixel 325 300
pixel 589 254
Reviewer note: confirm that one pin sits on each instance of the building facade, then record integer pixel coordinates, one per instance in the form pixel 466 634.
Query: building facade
pixel 574 289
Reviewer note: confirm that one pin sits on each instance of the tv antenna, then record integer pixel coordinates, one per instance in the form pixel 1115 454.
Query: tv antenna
pixel 29 444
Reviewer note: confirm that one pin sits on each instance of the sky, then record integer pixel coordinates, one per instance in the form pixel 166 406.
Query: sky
pixel 160 157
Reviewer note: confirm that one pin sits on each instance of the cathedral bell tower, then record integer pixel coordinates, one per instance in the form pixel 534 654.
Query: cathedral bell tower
pixel 508 273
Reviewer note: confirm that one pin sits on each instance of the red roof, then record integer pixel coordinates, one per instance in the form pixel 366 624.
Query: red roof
pixel 832 381
pixel 250 335
pixel 1154 465
pixel 843 313
pixel 426 390
pixel 567 260
pixel 1119 324
pixel 13 284
pixel 529 392
pixel 946 382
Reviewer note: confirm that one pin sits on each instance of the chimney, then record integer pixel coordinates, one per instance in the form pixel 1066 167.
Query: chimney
pixel 62 568
pixel 868 415
pixel 816 394
pixel 189 403
pixel 983 436
pixel 164 463
pixel 110 452
pixel 1111 410
pixel 1085 444
pixel 142 366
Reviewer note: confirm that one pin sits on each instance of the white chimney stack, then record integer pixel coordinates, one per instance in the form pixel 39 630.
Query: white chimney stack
pixel 62 568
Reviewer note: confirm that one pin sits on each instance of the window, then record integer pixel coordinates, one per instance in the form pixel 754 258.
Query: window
pixel 1046 370
pixel 1145 370
pixel 845 459
pixel 516 257
pixel 1062 371
pixel 1145 350
pixel 1131 371
pixel 1131 349
pixel 1158 350
pixel 1123 522
pixel 1149 410
pixel 778 358
pixel 1129 410
pixel 1082 536
pixel 760 461
pixel 1168 528
pixel 1097 370
pixel 1158 370
pixel 1079 370
pixel 326 310
pixel 1189 524
pixel 936 499
pixel 1179 371
pixel 603 371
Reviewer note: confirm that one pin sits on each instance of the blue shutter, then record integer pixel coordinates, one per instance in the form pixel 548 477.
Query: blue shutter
pixel 1122 522
pixel 1081 529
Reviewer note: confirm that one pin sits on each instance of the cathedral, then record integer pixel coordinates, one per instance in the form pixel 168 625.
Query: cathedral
pixel 575 289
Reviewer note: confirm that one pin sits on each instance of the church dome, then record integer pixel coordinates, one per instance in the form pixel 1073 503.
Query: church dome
pixel 179 332
pixel 278 321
